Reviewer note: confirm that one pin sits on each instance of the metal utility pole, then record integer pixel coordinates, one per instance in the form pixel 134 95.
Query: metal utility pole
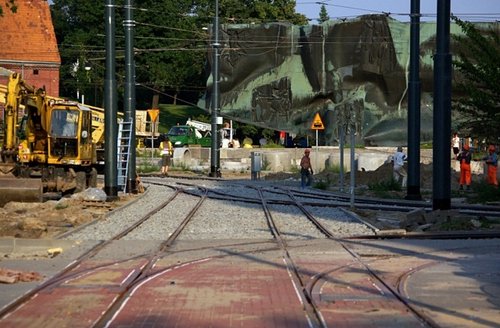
pixel 341 153
pixel 441 156
pixel 110 105
pixel 215 152
pixel 352 132
pixel 129 101
pixel 413 189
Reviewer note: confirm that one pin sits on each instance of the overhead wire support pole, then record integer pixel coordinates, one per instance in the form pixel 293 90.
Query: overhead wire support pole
pixel 413 188
pixel 215 151
pixel 441 156
pixel 129 95
pixel 110 106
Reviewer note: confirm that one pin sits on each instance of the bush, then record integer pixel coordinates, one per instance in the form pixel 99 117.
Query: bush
pixel 323 185
pixel 385 185
pixel 483 193
pixel 147 168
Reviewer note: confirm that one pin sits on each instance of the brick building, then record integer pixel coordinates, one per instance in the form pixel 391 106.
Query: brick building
pixel 28 45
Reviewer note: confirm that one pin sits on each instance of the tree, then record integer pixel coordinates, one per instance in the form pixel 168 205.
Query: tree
pixel 10 4
pixel 169 41
pixel 478 65
pixel 251 11
pixel 323 15
pixel 171 48
pixel 79 28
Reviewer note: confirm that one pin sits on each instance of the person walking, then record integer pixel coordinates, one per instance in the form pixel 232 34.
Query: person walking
pixel 455 144
pixel 306 170
pixel 166 154
pixel 492 161
pixel 464 157
pixel 398 170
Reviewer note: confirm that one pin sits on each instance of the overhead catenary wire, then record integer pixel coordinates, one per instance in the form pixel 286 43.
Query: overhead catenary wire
pixel 363 10
pixel 476 17
pixel 255 39
pixel 275 44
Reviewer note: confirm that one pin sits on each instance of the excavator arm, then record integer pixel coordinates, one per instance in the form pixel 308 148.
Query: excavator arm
pixel 11 118
pixel 11 187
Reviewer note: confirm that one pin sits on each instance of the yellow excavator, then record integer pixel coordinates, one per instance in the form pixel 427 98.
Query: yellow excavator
pixel 47 144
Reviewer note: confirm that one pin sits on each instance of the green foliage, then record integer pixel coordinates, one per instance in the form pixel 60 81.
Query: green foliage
pixel 249 130
pixel 382 188
pixel 323 185
pixel 146 167
pixel 170 43
pixel 172 47
pixel 79 28
pixel 248 11
pixel 323 15
pixel 170 115
pixel 11 5
pixel 332 168
pixel 267 133
pixel 478 64
pixel 483 193
pixel 272 144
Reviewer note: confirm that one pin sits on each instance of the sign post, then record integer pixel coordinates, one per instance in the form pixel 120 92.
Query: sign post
pixel 317 125
pixel 153 114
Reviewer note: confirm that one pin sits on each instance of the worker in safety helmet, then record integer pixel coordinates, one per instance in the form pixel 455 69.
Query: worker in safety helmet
pixel 464 157
pixel 306 170
pixel 492 161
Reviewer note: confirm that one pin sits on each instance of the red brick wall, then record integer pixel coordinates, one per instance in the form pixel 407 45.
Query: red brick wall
pixel 48 77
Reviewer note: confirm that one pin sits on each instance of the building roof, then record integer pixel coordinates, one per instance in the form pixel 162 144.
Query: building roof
pixel 28 34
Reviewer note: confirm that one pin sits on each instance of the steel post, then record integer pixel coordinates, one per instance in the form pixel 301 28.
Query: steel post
pixel 215 151
pixel 110 105
pixel 413 187
pixel 441 157
pixel 129 101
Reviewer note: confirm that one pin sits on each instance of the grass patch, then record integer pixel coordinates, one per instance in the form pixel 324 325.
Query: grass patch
pixel 170 115
pixel 335 168
pixel 147 168
pixel 385 188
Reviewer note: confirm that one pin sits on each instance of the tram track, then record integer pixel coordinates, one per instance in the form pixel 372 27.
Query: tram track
pixel 71 272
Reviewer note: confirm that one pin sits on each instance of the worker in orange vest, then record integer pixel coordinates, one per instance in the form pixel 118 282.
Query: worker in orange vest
pixel 492 161
pixel 464 157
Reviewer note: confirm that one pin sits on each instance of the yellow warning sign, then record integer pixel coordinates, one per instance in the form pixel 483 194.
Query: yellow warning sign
pixel 317 123
pixel 153 113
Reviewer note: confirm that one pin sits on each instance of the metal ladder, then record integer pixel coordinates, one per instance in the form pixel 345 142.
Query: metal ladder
pixel 124 134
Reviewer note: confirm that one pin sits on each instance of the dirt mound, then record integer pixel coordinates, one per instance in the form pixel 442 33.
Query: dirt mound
pixel 48 219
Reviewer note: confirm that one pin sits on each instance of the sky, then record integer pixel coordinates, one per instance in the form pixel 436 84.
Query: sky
pixel 470 10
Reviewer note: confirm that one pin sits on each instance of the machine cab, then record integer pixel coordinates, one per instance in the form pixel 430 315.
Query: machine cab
pixel 70 137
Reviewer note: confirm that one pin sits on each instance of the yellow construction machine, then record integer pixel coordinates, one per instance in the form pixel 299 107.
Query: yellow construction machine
pixel 47 144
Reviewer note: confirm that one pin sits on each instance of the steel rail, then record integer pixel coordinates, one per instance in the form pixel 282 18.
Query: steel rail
pixel 311 310
pixel 65 273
